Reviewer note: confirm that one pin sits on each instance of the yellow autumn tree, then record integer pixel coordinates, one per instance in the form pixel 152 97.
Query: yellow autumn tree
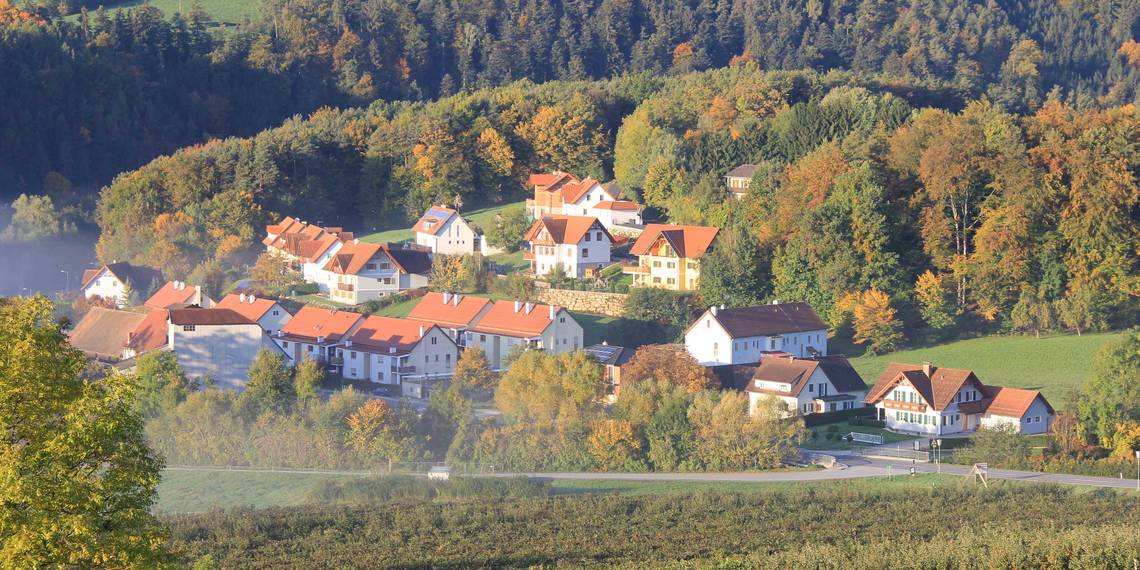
pixel 496 152
pixel 873 319
pixel 933 301
pixel 1126 440
pixel 613 445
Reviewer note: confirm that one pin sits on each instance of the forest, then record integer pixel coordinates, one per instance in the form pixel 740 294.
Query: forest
pixel 92 92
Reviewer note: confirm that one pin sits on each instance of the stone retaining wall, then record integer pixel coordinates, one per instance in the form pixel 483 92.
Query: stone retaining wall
pixel 611 304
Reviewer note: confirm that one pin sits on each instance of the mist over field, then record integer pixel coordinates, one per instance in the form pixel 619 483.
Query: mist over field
pixel 38 266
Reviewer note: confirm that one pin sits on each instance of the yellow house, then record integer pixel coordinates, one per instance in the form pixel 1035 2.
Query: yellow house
pixel 668 256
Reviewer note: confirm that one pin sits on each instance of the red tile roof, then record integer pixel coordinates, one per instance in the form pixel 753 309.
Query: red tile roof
pixel 565 229
pixel 937 389
pixel 574 191
pixel 617 205
pixel 688 241
pixel 384 333
pixel 312 322
pixel 510 318
pixel 433 220
pixel 352 257
pixel 207 317
pixel 151 333
pixel 449 310
pixel 1012 402
pixel 546 180
pixel 102 333
pixel 248 306
pixel 173 293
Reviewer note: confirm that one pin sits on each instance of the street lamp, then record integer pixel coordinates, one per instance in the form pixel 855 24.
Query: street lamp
pixel 66 279
pixel 1138 469
pixel 937 445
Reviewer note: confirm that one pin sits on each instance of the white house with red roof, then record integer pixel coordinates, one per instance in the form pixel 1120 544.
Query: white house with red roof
pixel 573 243
pixel 387 350
pixel 563 193
pixel 669 256
pixel 270 315
pixel 218 345
pixel 306 246
pixel 517 325
pixel 933 400
pixel 178 294
pixel 117 281
pixel 807 385
pixel 454 312
pixel 443 230
pixel 361 272
pixel 315 333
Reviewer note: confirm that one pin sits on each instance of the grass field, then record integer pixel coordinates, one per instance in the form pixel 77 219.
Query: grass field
pixel 597 328
pixel 483 217
pixel 510 262
pixel 843 428
pixel 1050 364
pixel 229 12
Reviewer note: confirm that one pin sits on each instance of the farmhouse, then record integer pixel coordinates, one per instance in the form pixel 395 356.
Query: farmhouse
pixel 267 313
pixel 516 325
pixel 562 193
pixel 178 294
pixel 743 335
pixel 443 230
pixel 612 358
pixel 739 179
pixel 218 344
pixel 807 385
pixel 937 401
pixel 387 350
pixel 117 281
pixel 315 333
pixel 451 311
pixel 575 244
pixel 668 256
pixel 361 272
pixel 103 334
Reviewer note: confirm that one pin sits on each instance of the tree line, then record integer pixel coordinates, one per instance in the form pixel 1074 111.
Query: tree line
pixel 103 91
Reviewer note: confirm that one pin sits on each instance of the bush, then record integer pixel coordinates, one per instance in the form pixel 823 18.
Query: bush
pixel 400 487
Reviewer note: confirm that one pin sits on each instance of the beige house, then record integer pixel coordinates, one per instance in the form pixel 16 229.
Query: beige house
pixel 387 350
pixel 443 230
pixel 807 385
pixel 511 325
pixel 361 272
pixel 215 344
pixel 668 256
pixel 576 244
pixel 739 179
pixel 315 333
pixel 453 312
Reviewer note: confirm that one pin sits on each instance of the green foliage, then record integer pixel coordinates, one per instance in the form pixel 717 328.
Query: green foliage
pixel 508 229
pixel 35 218
pixel 658 314
pixel 307 379
pixel 161 383
pixel 269 385
pixel 76 475
pixel 999 445
pixel 1112 395
pixel 732 273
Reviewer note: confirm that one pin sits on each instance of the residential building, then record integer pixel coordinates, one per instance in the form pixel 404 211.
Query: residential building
pixel 315 333
pixel 270 315
pixel 743 335
pixel 306 246
pixel 574 243
pixel 739 179
pixel 386 350
pixel 361 272
pixel 561 193
pixel 548 193
pixel 153 333
pixel 103 334
pixel 443 230
pixel 451 311
pixel 617 214
pixel 939 401
pixel 612 359
pixel 178 294
pixel 117 281
pixel 215 344
pixel 669 256
pixel 511 325
pixel 807 385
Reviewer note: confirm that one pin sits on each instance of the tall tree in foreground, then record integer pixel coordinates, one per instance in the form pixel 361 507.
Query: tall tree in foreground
pixel 76 478
pixel 1112 395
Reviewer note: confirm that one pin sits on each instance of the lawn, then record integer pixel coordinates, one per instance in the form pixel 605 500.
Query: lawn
pixel 597 328
pixel 838 430
pixel 509 262
pixel 482 217
pixel 400 309
pixel 320 301
pixel 198 491
pixel 1050 364
pixel 228 12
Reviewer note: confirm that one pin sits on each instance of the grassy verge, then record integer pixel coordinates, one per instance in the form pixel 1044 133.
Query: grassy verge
pixel 510 262
pixel 838 430
pixel 596 328
pixel 226 12
pixel 1050 364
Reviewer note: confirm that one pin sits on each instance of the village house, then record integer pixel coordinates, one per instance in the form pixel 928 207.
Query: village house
pixel 315 333
pixel 443 230
pixel 561 193
pixel 807 385
pixel 118 281
pixel 215 344
pixel 739 179
pixel 668 256
pixel 178 294
pixel 361 272
pixel 515 325
pixel 575 244
pixel 451 311
pixel 106 335
pixel 388 350
pixel 932 400
pixel 612 358
pixel 305 246
pixel 267 313
pixel 743 335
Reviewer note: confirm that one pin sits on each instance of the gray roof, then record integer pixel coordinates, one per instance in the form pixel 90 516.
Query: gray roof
pixel 769 320
pixel 743 171
pixel 842 375
pixel 610 355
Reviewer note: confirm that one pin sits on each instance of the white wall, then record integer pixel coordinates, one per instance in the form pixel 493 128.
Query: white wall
pixel 107 286
pixel 221 352
pixel 274 319
pixel 563 335
pixel 708 342
pixel 574 258
pixel 1036 420
pixel 456 238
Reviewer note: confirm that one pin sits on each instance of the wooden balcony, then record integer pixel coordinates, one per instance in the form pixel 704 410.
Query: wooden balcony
pixel 634 269
pixel 345 287
pixel 904 406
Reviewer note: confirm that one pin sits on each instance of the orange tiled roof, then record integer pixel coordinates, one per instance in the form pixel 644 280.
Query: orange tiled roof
pixel 617 205
pixel 173 293
pixel 937 389
pixel 688 241
pixel 352 257
pixel 456 311
pixel 384 333
pixel 151 333
pixel 574 191
pixel 252 307
pixel 312 322
pixel 1012 402
pixel 433 220
pixel 565 229
pixel 550 181
pixel 511 319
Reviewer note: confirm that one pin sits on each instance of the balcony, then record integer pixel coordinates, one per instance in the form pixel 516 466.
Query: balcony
pixel 905 406
pixel 345 287
pixel 406 370
pixel 632 268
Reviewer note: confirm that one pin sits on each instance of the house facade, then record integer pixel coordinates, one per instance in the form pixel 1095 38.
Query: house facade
pixel 668 256
pixel 452 312
pixel 515 325
pixel 117 281
pixel 218 344
pixel 739 179
pixel 387 350
pixel 305 246
pixel 931 400
pixel 575 244
pixel 744 335
pixel 361 272
pixel 560 193
pixel 270 315
pixel 443 230
pixel 612 359
pixel 315 333
pixel 807 385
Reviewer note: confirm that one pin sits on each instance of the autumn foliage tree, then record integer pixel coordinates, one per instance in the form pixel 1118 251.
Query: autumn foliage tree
pixel 874 320
pixel 614 446
pixel 667 363
pixel 472 371
pixel 379 433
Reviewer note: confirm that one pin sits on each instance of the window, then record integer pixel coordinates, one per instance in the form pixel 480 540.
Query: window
pixel 671 265
pixel 482 338
pixel 656 264
pixel 447 359
pixel 187 328
pixel 276 313
pixel 309 347
pixel 370 266
pixel 599 236
pixel 587 236
pixel 385 265
pixel 561 320
pixel 656 279
pixel 380 375
pixel 671 280
pixel 437 358
pixel 585 252
pixel 352 373
pixel 285 344
pixel 811 388
pixel 352 354
pixel 433 339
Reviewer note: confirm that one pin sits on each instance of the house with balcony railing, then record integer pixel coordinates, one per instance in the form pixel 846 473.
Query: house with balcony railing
pixel 361 272
pixel 315 333
pixel 384 350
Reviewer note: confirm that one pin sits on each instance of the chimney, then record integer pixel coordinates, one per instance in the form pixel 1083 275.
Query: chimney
pixel 250 298
pixel 455 299
pixel 198 293
pixel 356 242
pixel 712 310
pixel 241 298
pixel 518 305
pixel 446 298
pixel 529 307
pixel 927 369
pixel 722 307
pixel 421 331
pixel 605 343
pixel 552 311
pixel 348 344
pixel 320 339
pixel 775 301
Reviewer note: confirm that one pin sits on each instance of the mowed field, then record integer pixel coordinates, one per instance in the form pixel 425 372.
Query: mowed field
pixel 482 216
pixel 1050 364
pixel 228 12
